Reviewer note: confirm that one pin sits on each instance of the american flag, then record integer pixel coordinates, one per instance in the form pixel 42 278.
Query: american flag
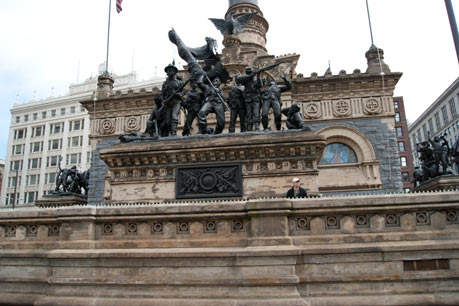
pixel 118 6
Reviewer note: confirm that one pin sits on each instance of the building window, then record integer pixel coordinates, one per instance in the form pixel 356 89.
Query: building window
pixel 38 131
pixel 74 158
pixel 26 118
pixel 405 177
pixel 424 131
pixel 419 135
pixel 437 121
pixel 53 113
pixel 50 178
pixel 72 109
pixel 444 112
pixel 56 128
pixel 399 131
pixel 16 165
pixel 431 127
pixel 82 109
pixel 36 147
pixel 35 116
pixel 55 144
pixel 75 141
pixel 403 161
pixel 395 104
pixel 18 119
pixel 30 196
pixel 397 117
pixel 51 161
pixel 34 179
pixel 401 146
pixel 19 134
pixel 34 163
pixel 338 153
pixel 63 111
pixel 18 149
pixel 452 106
pixel 43 115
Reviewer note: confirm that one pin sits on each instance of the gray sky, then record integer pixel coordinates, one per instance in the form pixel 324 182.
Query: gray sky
pixel 44 41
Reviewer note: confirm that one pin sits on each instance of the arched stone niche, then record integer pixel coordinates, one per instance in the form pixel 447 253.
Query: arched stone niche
pixel 350 176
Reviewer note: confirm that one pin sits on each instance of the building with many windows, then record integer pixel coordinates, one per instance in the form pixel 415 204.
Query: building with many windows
pixel 403 144
pixel 440 118
pixel 48 132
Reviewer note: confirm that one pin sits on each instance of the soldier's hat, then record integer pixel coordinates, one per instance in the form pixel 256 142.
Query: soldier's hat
pixel 170 66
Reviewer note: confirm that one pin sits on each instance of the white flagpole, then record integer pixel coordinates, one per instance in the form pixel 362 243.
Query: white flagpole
pixel 108 35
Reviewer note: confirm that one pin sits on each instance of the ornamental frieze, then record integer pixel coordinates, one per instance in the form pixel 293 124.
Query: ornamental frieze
pixel 199 181
pixel 131 124
pixel 372 106
pixel 342 108
pixel 107 126
pixel 312 110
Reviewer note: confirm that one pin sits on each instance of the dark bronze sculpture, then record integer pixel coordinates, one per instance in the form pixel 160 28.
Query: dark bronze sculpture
pixel 213 102
pixel 271 97
pixel 294 118
pixel 156 125
pixel 193 103
pixel 71 180
pixel 440 152
pixel 232 26
pixel 236 103
pixel 172 97
pixel 432 153
pixel 252 84
pixel 455 155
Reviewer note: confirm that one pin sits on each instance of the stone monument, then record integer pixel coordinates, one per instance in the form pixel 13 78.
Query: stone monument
pixel 203 219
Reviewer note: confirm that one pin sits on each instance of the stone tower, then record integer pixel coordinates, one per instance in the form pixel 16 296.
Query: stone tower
pixel 254 36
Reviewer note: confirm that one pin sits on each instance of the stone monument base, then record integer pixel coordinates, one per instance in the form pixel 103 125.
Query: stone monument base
pixel 355 250
pixel 247 165
pixel 61 199
pixel 444 182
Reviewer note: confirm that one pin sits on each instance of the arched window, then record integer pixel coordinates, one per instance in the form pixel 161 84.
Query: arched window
pixel 338 153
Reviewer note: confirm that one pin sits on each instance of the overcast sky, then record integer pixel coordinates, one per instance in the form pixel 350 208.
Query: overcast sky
pixel 44 42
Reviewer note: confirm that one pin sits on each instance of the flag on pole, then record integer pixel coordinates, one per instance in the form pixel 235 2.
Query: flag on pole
pixel 118 6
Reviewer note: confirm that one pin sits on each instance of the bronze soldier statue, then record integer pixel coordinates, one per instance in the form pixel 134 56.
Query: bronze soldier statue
pixel 236 103
pixel 155 123
pixel 271 97
pixel 192 104
pixel 213 102
pixel 440 152
pixel 294 118
pixel 252 84
pixel 172 97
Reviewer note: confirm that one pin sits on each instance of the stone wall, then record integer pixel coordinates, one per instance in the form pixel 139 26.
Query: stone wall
pixel 356 250
pixel 99 171
pixel 384 145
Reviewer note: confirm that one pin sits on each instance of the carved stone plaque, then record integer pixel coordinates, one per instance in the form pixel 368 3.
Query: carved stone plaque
pixel 206 181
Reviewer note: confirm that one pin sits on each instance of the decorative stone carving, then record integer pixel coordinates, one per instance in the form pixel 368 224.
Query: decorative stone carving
pixel 341 108
pixel 312 110
pixel 131 124
pixel 372 106
pixel 209 181
pixel 107 126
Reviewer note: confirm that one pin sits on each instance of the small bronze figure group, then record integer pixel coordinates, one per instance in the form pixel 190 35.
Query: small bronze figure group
pixel 433 153
pixel 71 180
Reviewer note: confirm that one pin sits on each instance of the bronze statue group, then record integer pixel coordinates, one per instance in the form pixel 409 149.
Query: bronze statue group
pixel 71 180
pixel 434 153
pixel 247 98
